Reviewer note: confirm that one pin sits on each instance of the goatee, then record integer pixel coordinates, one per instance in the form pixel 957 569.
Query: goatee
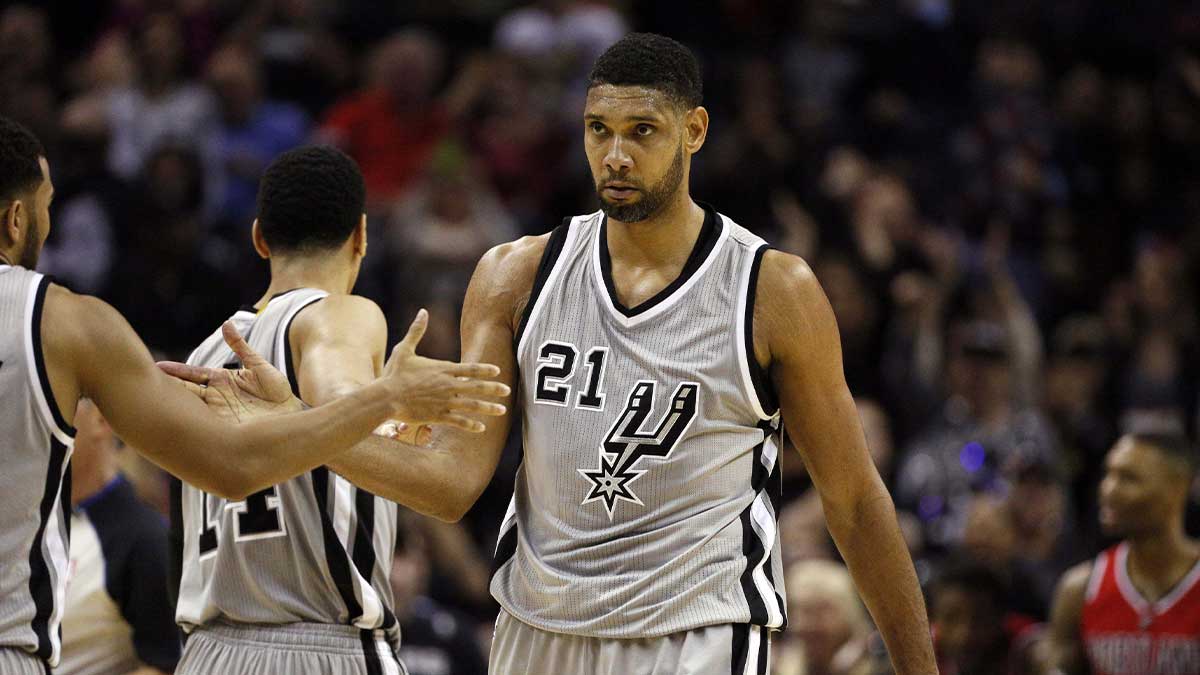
pixel 653 199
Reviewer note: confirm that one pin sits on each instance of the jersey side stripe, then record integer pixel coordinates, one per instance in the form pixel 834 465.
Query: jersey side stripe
pixel 335 555
pixel 43 556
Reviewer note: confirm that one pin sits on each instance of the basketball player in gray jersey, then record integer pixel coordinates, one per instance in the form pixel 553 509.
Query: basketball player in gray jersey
pixel 294 579
pixel 658 349
pixel 57 347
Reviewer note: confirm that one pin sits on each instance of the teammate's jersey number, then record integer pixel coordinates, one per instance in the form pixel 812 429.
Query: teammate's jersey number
pixel 255 517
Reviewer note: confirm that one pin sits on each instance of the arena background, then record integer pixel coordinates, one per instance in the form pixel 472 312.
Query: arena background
pixel 1000 198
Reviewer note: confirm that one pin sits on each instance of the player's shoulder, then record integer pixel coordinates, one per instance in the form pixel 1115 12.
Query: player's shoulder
pixel 1072 585
pixel 71 314
pixel 787 282
pixel 347 314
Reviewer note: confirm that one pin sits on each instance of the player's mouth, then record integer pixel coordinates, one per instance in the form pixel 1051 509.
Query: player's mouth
pixel 619 191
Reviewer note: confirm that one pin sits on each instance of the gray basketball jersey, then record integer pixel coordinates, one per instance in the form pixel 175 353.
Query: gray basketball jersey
pixel 645 501
pixel 312 549
pixel 35 482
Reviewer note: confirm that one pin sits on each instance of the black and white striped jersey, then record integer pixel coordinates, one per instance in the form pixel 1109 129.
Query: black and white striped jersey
pixel 35 483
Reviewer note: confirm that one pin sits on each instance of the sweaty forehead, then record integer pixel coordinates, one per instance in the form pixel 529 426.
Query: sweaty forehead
pixel 610 101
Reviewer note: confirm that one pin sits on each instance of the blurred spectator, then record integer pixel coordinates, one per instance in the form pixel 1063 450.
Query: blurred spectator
pixel 251 133
pixel 392 127
pixel 829 628
pixel 163 106
pixel 448 220
pixel 967 615
pixel 117 618
pixel 81 248
pixel 436 640
pixel 305 61
pixel 167 282
pixel 27 68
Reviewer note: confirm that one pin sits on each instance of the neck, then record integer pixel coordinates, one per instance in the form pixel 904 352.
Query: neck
pixel 86 484
pixel 328 275
pixel 1166 554
pixel 6 259
pixel 665 238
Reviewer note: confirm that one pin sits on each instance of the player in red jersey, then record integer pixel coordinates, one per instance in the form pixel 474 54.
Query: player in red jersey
pixel 1135 609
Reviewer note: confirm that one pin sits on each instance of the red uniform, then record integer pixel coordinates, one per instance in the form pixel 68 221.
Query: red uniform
pixel 1126 635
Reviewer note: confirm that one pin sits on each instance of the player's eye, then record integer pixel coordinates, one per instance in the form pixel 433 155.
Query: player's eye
pixel 596 127
pixel 644 130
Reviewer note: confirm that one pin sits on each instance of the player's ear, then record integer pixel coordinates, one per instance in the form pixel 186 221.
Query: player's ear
pixel 695 129
pixel 260 242
pixel 12 221
pixel 360 237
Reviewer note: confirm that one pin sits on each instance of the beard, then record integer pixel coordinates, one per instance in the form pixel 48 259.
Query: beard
pixel 653 199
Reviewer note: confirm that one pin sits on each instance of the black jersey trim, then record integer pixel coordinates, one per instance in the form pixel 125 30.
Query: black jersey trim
pixel 364 547
pixel 740 648
pixel 335 555
pixel 289 366
pixel 710 234
pixel 39 358
pixel 41 586
pixel 175 537
pixel 752 545
pixel 759 377
pixel 550 257
pixel 370 652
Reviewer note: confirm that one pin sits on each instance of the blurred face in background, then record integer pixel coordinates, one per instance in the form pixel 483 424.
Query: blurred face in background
pixel 234 76
pixel 966 623
pixel 638 143
pixel 1142 492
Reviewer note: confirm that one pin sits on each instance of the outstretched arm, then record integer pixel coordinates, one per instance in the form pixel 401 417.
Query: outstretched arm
pixel 444 479
pixel 796 337
pixel 93 350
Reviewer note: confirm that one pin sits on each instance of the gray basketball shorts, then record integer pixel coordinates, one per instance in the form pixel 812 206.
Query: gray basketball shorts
pixel 287 649
pixel 15 661
pixel 521 649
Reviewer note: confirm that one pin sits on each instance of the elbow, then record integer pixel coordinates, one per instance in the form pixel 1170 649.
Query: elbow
pixel 231 483
pixel 457 500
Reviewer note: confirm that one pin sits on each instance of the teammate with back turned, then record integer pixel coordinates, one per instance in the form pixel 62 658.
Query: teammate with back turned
pixel 659 348
pixel 57 347
pixel 1136 607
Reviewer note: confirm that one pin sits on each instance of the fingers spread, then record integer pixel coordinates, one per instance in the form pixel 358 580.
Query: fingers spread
pixel 461 422
pixel 470 405
pixel 475 370
pixel 416 331
pixel 480 389
pixel 237 343
pixel 183 371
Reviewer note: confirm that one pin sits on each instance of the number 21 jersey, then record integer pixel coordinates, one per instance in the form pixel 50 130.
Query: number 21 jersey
pixel 646 499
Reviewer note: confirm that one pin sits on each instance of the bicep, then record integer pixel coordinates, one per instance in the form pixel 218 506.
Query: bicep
pixel 337 351
pixel 145 407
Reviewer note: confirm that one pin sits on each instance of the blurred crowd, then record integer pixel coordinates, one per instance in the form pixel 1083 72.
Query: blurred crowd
pixel 1001 199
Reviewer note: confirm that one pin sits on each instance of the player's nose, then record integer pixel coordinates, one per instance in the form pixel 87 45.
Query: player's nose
pixel 617 160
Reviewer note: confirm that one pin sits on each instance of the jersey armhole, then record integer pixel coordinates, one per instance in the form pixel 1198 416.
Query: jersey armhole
pixel 283 350
pixel 546 268
pixel 1096 577
pixel 42 391
pixel 755 379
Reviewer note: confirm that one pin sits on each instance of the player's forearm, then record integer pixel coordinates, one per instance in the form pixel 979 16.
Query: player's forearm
pixel 270 450
pixel 442 481
pixel 869 538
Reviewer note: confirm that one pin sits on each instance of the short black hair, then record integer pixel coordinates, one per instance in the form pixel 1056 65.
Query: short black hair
pixel 654 61
pixel 310 199
pixel 20 150
pixel 1175 446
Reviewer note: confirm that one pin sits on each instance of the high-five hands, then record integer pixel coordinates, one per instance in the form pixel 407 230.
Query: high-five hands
pixel 423 391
